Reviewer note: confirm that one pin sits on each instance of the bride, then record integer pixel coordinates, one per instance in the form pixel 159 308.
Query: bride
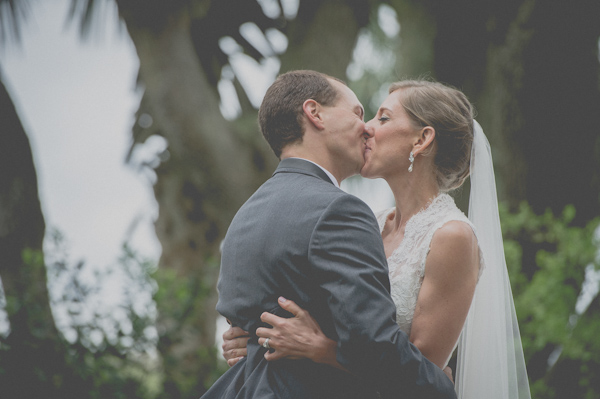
pixel 447 272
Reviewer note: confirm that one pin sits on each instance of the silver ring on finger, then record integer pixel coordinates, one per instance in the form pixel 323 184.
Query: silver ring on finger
pixel 266 344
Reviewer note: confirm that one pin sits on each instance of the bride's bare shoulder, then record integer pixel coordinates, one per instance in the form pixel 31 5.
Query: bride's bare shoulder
pixel 454 246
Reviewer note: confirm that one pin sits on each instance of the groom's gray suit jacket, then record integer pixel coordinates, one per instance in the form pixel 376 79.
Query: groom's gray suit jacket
pixel 301 237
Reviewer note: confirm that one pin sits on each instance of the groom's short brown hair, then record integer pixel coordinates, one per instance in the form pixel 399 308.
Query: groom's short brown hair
pixel 280 114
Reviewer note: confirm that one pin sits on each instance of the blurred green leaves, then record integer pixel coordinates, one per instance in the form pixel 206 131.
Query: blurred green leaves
pixel 547 259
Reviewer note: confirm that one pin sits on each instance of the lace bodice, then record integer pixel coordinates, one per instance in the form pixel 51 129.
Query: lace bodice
pixel 407 262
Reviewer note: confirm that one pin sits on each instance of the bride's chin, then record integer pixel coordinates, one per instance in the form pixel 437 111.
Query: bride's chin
pixel 370 172
pixel 367 170
pixel 364 172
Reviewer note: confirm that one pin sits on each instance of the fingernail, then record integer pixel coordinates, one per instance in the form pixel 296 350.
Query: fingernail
pixel 282 299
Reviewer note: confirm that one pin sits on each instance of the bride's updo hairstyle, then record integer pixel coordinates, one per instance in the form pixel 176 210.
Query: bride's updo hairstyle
pixel 450 113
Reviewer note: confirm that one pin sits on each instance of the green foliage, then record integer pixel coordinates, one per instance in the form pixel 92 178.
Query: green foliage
pixel 114 346
pixel 179 299
pixel 109 348
pixel 24 307
pixel 547 259
pixel 79 294
pixel 107 351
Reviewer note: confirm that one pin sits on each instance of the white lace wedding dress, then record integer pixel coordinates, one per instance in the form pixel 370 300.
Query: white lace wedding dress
pixel 407 262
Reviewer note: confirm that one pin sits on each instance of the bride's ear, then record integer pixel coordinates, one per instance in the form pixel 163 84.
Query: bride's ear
pixel 425 143
pixel 313 111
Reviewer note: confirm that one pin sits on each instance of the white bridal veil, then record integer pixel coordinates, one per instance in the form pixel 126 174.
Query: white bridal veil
pixel 490 356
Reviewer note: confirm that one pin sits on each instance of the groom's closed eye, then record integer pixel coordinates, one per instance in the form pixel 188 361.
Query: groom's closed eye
pixel 360 112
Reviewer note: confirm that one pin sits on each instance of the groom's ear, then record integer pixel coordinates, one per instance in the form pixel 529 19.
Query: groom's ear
pixel 313 111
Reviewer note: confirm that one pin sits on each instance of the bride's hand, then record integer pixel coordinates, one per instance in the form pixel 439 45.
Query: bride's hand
pixel 234 345
pixel 297 337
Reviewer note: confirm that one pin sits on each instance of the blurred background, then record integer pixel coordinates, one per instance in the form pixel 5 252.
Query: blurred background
pixel 128 140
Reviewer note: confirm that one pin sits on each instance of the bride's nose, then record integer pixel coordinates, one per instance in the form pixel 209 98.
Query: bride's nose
pixel 368 131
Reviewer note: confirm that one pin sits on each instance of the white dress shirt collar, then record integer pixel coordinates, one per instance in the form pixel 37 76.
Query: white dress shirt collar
pixel 328 173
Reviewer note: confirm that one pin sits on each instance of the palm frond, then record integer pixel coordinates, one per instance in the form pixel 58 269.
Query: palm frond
pixel 217 22
pixel 85 13
pixel 12 15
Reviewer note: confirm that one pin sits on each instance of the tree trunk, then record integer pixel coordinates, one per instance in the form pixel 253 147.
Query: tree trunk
pixel 210 170
pixel 323 37
pixel 32 354
pixel 207 176
pixel 501 106
pixel 417 35
pixel 561 100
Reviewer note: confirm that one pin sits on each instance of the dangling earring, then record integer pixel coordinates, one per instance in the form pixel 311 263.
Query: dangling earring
pixel 411 158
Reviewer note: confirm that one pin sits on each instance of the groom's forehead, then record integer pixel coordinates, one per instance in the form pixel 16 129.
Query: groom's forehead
pixel 345 94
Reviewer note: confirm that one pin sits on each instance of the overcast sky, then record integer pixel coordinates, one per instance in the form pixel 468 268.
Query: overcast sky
pixel 77 100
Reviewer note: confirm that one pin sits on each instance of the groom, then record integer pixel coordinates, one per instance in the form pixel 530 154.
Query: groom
pixel 301 237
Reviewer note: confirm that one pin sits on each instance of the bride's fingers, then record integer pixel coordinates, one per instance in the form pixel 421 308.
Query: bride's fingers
pixel 261 342
pixel 234 354
pixel 264 332
pixel 271 319
pixel 237 343
pixel 234 332
pixel 290 306
pixel 233 362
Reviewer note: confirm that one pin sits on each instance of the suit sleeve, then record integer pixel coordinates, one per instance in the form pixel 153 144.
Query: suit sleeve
pixel 349 263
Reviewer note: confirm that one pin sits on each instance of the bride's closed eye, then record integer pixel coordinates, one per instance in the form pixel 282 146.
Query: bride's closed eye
pixel 383 119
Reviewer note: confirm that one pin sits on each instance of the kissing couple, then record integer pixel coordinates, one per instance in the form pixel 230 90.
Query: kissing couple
pixel 327 300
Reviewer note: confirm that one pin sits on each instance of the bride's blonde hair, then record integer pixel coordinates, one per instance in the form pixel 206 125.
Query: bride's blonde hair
pixel 450 113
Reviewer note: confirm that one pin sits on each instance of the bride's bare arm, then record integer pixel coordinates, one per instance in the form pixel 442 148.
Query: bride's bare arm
pixel 451 273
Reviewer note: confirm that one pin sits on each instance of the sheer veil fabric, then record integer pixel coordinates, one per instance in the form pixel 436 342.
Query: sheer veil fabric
pixel 490 355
